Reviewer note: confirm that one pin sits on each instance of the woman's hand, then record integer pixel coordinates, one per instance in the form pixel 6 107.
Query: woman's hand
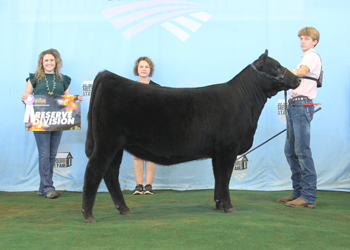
pixel 23 97
pixel 29 90
pixel 80 97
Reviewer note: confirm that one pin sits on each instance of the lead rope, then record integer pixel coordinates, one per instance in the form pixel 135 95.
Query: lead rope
pixel 268 140
pixel 286 112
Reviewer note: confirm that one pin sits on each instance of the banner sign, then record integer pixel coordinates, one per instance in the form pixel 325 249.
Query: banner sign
pixel 52 113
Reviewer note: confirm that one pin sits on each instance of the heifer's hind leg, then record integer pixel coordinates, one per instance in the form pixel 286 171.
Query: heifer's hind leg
pixel 223 165
pixel 96 169
pixel 94 172
pixel 112 182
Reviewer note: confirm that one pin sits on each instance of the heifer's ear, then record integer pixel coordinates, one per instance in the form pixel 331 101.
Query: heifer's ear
pixel 263 56
pixel 266 52
pixel 261 61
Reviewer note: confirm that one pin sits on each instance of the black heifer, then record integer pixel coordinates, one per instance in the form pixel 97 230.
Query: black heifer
pixel 178 125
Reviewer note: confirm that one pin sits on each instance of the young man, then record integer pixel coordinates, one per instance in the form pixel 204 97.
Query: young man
pixel 300 113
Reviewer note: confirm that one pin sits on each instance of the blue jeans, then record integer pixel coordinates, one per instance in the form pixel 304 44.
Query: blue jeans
pixel 298 152
pixel 47 143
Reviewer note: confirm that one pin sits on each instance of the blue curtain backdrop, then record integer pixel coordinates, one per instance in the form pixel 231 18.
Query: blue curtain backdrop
pixel 192 43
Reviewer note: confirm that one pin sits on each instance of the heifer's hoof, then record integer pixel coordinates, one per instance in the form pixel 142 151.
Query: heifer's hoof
pixel 123 210
pixel 218 206
pixel 227 208
pixel 90 220
pixel 127 212
pixel 230 210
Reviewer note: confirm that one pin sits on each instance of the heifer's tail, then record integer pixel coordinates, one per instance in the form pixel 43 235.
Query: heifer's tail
pixel 89 143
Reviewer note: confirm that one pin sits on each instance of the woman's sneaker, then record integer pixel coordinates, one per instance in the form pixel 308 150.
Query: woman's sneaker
pixel 138 190
pixel 148 189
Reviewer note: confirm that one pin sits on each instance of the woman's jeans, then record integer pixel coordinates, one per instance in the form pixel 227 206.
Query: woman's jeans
pixel 47 143
pixel 298 152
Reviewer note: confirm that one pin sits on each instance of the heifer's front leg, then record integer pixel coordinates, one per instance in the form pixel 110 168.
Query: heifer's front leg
pixel 112 182
pixel 223 165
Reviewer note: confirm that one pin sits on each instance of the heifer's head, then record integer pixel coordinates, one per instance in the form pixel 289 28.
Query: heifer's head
pixel 280 77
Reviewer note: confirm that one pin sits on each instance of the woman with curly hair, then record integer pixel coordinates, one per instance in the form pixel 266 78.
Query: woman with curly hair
pixel 47 80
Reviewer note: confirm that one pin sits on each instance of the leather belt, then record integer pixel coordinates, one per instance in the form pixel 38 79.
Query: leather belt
pixel 290 101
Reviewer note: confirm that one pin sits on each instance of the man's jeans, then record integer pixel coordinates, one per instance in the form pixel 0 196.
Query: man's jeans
pixel 298 152
pixel 47 143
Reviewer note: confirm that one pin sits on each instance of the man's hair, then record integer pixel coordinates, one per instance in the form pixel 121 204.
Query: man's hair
pixel 148 60
pixel 311 32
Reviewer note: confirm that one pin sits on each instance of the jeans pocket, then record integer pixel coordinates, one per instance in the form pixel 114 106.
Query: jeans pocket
pixel 310 112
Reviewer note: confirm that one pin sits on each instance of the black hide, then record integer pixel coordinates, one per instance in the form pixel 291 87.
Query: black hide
pixel 173 125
